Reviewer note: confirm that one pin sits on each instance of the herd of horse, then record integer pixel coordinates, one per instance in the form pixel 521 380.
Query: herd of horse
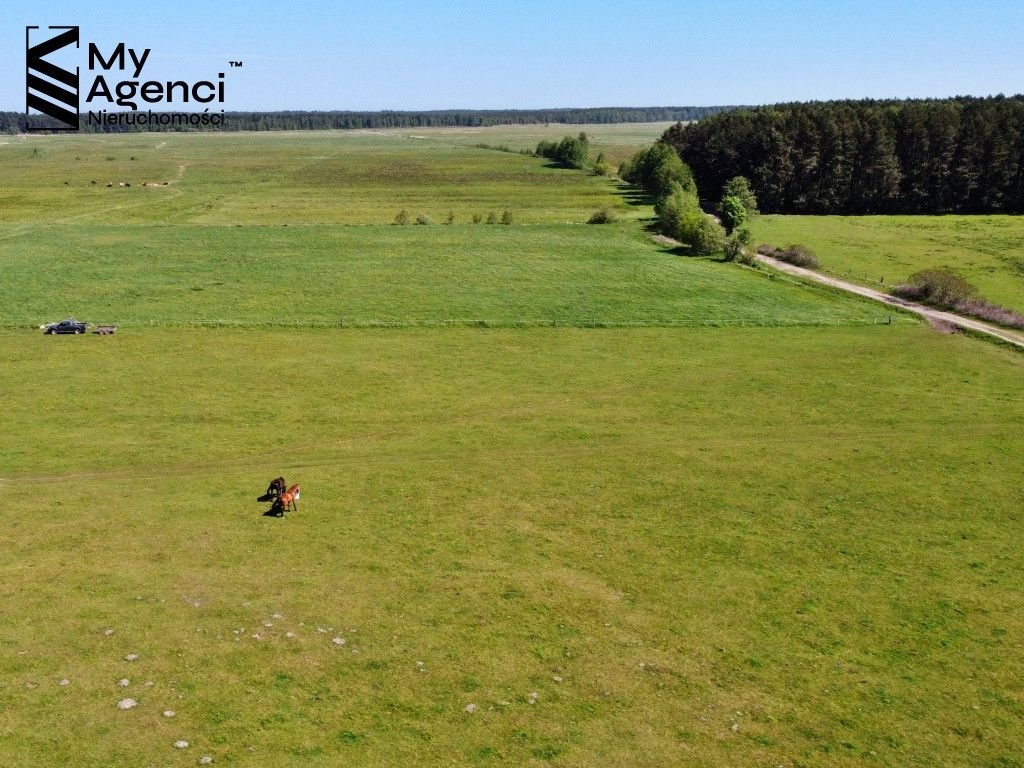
pixel 281 497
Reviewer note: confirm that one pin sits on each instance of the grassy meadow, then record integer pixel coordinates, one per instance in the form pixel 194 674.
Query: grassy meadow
pixel 315 177
pixel 744 524
pixel 986 250
pixel 392 275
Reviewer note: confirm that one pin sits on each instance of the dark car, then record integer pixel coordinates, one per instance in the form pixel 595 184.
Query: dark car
pixel 66 326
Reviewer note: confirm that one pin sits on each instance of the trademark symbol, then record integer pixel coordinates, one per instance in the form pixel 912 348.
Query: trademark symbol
pixel 235 63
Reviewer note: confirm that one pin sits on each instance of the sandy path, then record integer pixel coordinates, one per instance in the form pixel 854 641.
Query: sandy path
pixel 934 314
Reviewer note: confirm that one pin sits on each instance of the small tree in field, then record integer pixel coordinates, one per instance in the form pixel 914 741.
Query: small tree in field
pixel 477 218
pixel 402 217
pixel 423 219
pixel 737 247
pixel 739 186
pixel 492 218
pixel 732 212
pixel 506 217
pixel 451 218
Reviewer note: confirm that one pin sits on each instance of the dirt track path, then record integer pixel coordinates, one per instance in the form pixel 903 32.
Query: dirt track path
pixel 927 312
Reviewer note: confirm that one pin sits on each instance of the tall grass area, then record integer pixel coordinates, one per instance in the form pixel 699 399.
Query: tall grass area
pixel 987 250
pixel 644 547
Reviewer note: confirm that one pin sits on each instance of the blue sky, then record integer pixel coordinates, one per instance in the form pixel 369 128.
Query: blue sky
pixel 426 54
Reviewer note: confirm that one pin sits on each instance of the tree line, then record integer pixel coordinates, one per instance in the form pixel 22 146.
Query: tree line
pixel 671 186
pixel 14 122
pixel 959 155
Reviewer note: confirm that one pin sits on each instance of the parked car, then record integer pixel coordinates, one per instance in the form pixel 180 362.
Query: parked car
pixel 65 326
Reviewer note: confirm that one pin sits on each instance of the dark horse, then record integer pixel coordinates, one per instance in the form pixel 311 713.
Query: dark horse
pixel 274 490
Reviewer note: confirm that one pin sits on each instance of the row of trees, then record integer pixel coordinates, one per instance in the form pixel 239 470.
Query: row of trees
pixel 660 172
pixel 851 157
pixel 14 122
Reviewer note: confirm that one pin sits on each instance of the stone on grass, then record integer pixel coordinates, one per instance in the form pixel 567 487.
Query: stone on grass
pixel 338 641
pixel 108 632
pixel 65 681
pixel 470 708
pixel 181 744
pixel 127 704
pixel 124 682
pixel 132 657
pixel 206 760
pixel 533 697
pixel 169 713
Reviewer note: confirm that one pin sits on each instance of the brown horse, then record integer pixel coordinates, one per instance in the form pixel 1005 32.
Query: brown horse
pixel 289 499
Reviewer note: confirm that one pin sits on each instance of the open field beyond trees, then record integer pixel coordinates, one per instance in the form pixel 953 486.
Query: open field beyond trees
pixel 792 544
pixel 986 250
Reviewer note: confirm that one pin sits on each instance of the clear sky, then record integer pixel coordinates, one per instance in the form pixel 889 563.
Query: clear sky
pixel 433 54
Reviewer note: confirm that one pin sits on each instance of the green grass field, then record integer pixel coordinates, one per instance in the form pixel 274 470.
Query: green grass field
pixel 656 543
pixel 687 533
pixel 358 177
pixel 358 276
pixel 987 250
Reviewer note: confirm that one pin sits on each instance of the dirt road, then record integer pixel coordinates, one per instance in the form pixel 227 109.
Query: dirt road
pixel 934 314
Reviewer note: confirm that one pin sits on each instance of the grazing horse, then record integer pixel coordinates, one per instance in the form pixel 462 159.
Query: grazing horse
pixel 274 490
pixel 288 499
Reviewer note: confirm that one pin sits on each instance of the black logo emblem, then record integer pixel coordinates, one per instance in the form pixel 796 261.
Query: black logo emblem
pixel 49 89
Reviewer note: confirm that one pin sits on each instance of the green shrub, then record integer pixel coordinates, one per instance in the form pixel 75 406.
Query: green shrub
pixel 936 286
pixel 402 217
pixel 492 218
pixel 671 208
pixel 423 219
pixel 506 217
pixel 737 247
pixel 800 255
pixel 603 216
pixel 797 255
pixel 701 233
